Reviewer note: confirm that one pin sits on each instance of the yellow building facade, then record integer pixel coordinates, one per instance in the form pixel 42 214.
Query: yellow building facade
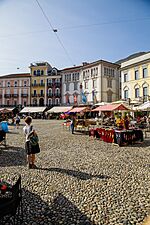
pixel 135 79
pixel 39 73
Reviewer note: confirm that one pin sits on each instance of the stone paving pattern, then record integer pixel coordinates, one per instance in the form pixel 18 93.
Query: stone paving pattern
pixel 79 180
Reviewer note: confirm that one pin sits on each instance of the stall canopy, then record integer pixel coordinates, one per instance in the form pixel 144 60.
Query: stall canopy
pixel 79 109
pixel 144 106
pixel 111 107
pixel 60 109
pixel 6 110
pixel 33 110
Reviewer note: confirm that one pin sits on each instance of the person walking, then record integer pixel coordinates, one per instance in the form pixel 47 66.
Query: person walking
pixel 73 122
pixel 17 119
pixel 31 149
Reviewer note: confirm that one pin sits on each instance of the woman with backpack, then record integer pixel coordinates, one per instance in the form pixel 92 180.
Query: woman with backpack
pixel 31 144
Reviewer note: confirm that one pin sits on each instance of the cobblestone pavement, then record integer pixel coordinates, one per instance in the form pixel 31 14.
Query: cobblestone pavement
pixel 79 180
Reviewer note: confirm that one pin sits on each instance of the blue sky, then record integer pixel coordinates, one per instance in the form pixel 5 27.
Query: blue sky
pixel 89 30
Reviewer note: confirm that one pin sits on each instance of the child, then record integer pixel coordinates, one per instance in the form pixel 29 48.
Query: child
pixel 30 150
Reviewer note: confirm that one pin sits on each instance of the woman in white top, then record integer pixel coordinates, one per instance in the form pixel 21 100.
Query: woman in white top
pixel 30 149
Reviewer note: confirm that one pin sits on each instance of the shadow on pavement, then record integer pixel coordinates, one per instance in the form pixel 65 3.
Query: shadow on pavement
pixel 75 173
pixel 12 156
pixel 59 211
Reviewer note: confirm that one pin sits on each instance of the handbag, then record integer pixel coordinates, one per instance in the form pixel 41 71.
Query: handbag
pixel 33 138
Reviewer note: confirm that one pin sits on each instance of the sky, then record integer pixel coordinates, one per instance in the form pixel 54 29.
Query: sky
pixel 87 31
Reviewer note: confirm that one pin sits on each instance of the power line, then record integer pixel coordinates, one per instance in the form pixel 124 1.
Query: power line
pixel 74 27
pixel 105 23
pixel 55 32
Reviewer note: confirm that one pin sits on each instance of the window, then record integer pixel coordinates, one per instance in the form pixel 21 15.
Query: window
pixel 109 98
pixel 73 77
pixel 136 74
pixel 42 83
pixel 144 72
pixel 34 82
pixel 57 91
pixel 96 73
pixel 125 77
pixel 34 92
pixel 42 72
pixel 25 103
pixel 67 87
pixel 15 103
pixel 75 86
pixel 7 102
pixel 136 92
pixel 125 94
pixel 109 83
pixel 34 72
pixel 25 83
pixel 16 83
pixel 86 85
pixel 25 91
pixel 145 91
pixel 8 84
pixel 56 101
pixel 42 93
pixel 15 91
pixel 94 83
pixel 50 91
pixel 38 72
pixel 50 101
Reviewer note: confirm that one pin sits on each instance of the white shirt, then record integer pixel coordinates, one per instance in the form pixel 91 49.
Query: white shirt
pixel 27 130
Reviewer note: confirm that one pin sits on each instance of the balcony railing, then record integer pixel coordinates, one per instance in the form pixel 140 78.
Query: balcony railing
pixel 41 84
pixel 57 84
pixel 57 95
pixel 24 95
pixel 34 95
pixel 7 95
pixel 50 84
pixel 50 95
pixel 40 95
pixel 35 85
pixel 15 95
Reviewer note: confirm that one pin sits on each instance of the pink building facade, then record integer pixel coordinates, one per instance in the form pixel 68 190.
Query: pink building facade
pixel 15 90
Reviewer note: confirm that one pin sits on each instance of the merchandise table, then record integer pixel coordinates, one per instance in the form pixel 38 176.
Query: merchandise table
pixel 119 137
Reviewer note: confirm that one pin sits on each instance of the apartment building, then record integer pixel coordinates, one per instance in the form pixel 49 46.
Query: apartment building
pixel 15 90
pixel 135 78
pixel 100 81
pixel 71 85
pixel 45 85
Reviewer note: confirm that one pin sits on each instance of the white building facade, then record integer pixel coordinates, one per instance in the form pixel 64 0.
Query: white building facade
pixel 97 81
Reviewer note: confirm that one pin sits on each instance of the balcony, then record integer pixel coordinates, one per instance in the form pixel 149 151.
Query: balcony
pixel 7 96
pixel 40 95
pixel 57 95
pixel 41 84
pixel 34 95
pixel 57 85
pixel 50 85
pixel 24 95
pixel 35 85
pixel 15 95
pixel 50 95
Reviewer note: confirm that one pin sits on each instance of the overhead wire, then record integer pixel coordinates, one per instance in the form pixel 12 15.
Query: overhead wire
pixel 74 27
pixel 55 32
